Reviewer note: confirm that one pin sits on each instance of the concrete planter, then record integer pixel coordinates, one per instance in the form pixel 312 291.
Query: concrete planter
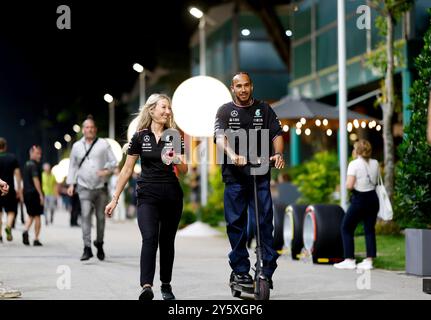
pixel 418 252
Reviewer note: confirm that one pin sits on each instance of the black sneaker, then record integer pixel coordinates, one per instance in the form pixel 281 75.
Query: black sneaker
pixel 100 252
pixel 146 294
pixel 87 254
pixel 8 231
pixel 25 238
pixel 243 279
pixel 166 290
pixel 37 243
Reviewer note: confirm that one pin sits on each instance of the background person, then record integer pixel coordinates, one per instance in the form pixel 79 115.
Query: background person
pixel 49 187
pixel 9 169
pixel 362 175
pixel 91 163
pixel 33 195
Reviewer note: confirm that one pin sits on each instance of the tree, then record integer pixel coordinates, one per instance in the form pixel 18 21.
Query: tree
pixel 390 12
pixel 413 174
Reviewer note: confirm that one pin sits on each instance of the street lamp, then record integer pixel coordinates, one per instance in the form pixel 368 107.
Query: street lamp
pixel 203 19
pixel 142 95
pixel 109 99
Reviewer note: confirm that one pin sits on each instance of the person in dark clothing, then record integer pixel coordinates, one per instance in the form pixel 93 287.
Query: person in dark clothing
pixel 362 175
pixel 252 116
pixel 33 195
pixel 9 170
pixel 160 197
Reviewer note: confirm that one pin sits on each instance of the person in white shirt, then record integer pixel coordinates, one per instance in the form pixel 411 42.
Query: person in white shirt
pixel 362 175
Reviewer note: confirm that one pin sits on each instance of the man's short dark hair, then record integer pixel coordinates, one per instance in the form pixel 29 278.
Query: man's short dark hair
pixel 239 73
pixel 34 147
pixel 3 143
pixel 89 117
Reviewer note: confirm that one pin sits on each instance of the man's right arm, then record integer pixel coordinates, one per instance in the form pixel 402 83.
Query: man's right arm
pixel 71 175
pixel 221 141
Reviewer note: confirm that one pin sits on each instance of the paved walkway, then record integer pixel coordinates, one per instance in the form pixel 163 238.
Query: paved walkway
pixel 200 271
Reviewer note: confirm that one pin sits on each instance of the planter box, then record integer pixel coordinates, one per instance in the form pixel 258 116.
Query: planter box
pixel 418 252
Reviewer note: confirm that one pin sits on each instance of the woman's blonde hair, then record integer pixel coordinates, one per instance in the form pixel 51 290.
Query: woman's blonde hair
pixel 144 117
pixel 363 148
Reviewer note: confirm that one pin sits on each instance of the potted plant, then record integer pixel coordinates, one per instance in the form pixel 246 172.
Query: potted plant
pixel 413 174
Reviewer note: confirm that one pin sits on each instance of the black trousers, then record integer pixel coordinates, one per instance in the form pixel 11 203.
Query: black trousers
pixel 76 210
pixel 364 206
pixel 159 213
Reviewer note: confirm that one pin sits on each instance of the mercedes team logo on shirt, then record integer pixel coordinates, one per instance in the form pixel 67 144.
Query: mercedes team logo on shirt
pixel 234 113
pixel 146 138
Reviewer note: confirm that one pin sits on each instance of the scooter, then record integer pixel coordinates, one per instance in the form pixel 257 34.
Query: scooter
pixel 261 285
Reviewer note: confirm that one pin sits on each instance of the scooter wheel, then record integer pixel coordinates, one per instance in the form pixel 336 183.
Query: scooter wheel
pixel 263 293
pixel 235 293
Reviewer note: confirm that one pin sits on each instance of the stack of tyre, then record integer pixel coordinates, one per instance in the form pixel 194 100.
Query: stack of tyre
pixel 315 228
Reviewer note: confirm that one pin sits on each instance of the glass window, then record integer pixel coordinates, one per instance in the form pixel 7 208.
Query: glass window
pixel 259 55
pixel 301 24
pixel 327 49
pixel 326 12
pixel 356 39
pixel 302 60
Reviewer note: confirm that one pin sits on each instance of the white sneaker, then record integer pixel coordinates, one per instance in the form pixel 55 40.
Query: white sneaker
pixel 366 264
pixel 7 292
pixel 346 264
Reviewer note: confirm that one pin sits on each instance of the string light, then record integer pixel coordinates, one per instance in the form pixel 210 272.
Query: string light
pixel 363 124
pixel 318 122
pixel 329 132
pixel 285 128
pixel 298 125
pixel 349 127
pixel 325 122
pixel 298 131
pixel 379 127
pixel 303 120
pixel 307 132
pixel 353 137
pixel 356 123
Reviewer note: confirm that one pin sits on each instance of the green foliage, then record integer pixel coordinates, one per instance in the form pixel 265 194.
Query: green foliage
pixel 318 178
pixel 213 212
pixel 390 251
pixel 413 172
pixel 188 216
pixel 378 62
pixel 387 228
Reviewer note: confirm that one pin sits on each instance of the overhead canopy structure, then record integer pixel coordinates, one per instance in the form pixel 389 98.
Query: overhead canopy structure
pixel 294 108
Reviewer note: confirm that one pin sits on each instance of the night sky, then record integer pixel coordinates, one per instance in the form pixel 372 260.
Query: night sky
pixel 45 71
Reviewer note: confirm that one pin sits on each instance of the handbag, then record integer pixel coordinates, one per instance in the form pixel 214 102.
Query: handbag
pixel 385 207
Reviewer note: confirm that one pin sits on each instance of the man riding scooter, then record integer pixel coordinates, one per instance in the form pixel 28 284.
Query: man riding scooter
pixel 246 113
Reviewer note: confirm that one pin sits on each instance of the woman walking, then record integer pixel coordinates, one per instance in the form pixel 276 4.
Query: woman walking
pixel 362 175
pixel 160 197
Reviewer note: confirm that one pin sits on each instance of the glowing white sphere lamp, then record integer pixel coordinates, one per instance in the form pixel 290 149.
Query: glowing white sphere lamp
pixel 199 98
pixel 116 149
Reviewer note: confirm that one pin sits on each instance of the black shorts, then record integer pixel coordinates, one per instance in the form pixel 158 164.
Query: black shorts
pixel 32 203
pixel 9 203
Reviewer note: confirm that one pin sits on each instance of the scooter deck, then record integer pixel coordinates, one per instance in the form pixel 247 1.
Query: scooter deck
pixel 238 287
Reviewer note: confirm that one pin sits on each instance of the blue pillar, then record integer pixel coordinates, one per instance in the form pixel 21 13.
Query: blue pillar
pixel 406 76
pixel 295 147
